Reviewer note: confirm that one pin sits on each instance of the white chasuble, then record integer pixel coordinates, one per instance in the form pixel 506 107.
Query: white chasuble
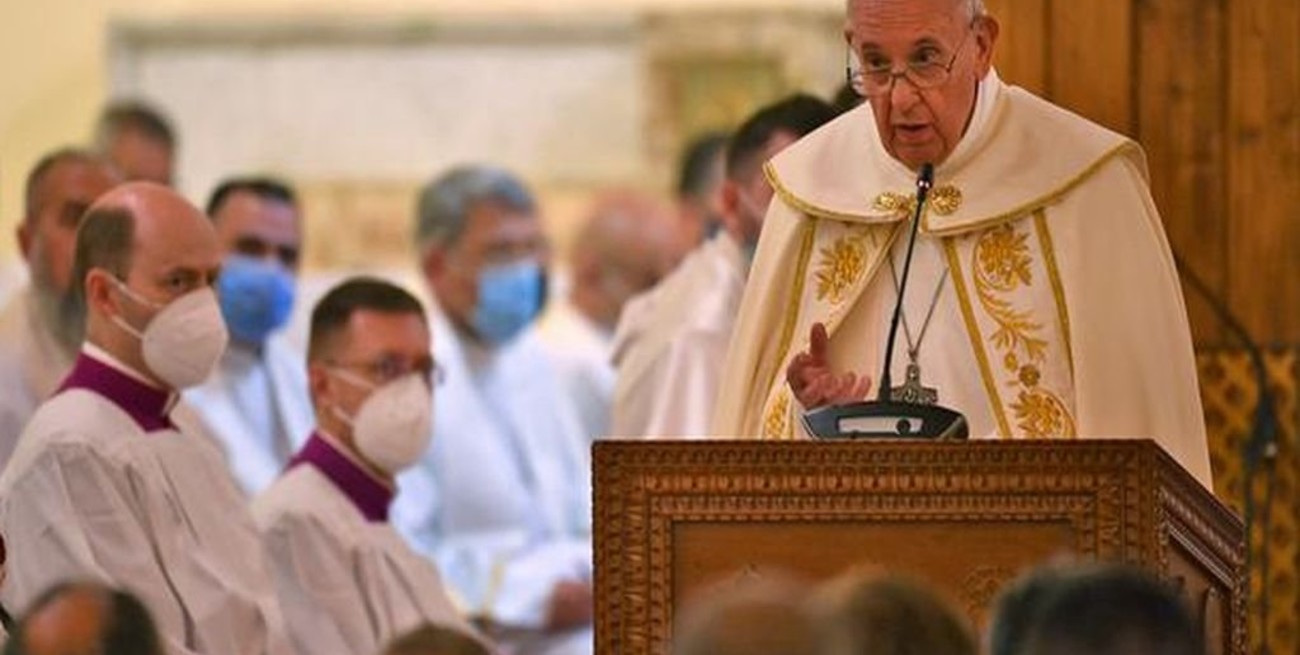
pixel 1061 315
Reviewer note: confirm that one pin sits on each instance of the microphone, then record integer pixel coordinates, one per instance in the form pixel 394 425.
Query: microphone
pixel 886 417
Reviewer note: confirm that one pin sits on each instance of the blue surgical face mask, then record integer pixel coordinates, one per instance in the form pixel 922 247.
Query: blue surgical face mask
pixel 509 298
pixel 256 297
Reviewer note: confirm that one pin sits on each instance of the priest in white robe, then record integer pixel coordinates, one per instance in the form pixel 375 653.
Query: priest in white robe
pixel 502 499
pixel 627 244
pixel 40 328
pixel 255 404
pixel 106 483
pixel 672 341
pixel 1043 300
pixel 347 581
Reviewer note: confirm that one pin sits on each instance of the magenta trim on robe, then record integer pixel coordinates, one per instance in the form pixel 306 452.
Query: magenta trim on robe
pixel 147 406
pixel 370 496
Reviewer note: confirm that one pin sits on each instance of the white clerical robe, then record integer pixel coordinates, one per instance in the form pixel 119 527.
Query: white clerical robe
pixel 501 500
pixel 347 581
pixel 257 407
pixel 104 487
pixel 32 363
pixel 672 341
pixel 1061 315
pixel 581 352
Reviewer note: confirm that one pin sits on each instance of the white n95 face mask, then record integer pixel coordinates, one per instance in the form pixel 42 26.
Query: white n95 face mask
pixel 392 428
pixel 184 340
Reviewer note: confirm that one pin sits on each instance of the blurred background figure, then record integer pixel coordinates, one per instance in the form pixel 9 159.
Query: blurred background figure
pixel 85 618
pixel 435 640
pixel 889 614
pixel 1111 610
pixel 699 187
pixel 139 140
pixel 345 578
pixel 671 341
pixel 1017 605
pixel 752 618
pixel 627 244
pixel 41 326
pixel 256 402
pixel 502 499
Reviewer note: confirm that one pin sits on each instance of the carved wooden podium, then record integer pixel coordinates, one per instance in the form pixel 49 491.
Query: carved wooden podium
pixel 671 517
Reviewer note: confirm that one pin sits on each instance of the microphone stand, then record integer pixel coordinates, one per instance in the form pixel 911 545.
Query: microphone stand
pixel 1260 448
pixel 886 417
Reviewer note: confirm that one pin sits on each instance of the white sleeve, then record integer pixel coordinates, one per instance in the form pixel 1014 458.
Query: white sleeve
pixel 69 516
pixel 682 387
pixel 324 607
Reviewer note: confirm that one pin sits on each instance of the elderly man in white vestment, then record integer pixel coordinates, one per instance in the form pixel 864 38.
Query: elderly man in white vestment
pixel 255 404
pixel 40 327
pixel 105 485
pixel 347 581
pixel 627 245
pixel 671 341
pixel 502 499
pixel 1043 300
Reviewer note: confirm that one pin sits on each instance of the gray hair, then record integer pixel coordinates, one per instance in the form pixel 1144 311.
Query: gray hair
pixel 975 7
pixel 444 203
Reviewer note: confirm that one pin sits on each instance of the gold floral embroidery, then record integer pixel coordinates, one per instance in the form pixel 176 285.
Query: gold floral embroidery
pixel 1003 264
pixel 1039 414
pixel 774 424
pixel 945 200
pixel 841 264
pixel 894 203
pixel 1003 258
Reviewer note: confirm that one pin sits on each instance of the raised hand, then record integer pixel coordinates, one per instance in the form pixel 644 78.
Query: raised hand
pixel 813 382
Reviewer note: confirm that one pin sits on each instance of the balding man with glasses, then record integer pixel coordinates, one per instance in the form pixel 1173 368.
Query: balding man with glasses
pixel 347 581
pixel 1042 300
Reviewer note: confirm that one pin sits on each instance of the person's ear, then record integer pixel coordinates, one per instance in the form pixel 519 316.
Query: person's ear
pixel 433 262
pixel 986 36
pixel 319 384
pixel 98 288
pixel 730 198
pixel 25 234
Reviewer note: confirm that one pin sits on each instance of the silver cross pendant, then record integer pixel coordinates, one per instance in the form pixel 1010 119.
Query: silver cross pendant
pixel 912 391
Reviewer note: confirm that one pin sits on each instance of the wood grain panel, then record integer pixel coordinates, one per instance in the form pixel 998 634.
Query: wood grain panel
pixel 1264 167
pixel 1091 58
pixel 1021 51
pixel 1181 92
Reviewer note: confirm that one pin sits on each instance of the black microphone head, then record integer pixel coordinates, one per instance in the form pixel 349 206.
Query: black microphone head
pixel 926 179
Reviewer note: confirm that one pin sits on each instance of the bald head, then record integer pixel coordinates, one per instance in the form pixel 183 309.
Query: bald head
pixel 140 247
pixel 628 243
pixel 756 618
pixel 86 619
pixel 59 189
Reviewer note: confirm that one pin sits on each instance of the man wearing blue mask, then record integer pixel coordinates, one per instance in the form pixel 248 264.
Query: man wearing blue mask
pixel 256 403
pixel 671 341
pixel 501 500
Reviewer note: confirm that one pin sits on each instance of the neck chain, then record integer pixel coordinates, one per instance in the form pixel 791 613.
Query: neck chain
pixel 912 391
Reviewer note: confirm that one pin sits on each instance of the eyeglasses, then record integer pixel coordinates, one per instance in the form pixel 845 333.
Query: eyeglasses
pixel 387 369
pixel 924 71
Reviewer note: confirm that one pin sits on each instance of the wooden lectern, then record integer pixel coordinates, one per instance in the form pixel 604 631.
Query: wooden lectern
pixel 674 516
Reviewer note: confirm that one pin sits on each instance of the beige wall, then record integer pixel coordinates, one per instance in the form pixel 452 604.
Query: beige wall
pixel 53 62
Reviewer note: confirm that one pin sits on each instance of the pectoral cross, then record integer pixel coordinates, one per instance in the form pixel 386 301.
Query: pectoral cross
pixel 912 391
